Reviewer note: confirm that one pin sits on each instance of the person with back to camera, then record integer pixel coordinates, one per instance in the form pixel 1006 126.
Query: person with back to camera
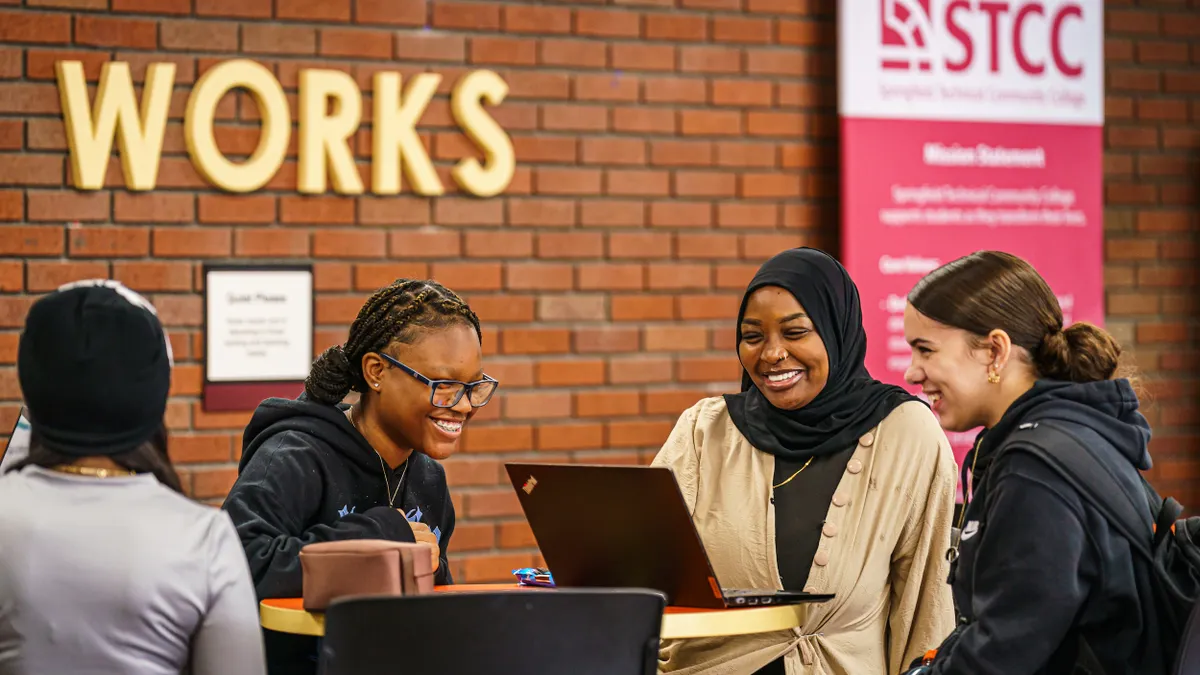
pixel 105 567
pixel 315 469
pixel 817 477
pixel 1041 581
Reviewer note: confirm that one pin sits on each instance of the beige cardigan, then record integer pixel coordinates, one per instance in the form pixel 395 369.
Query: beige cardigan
pixel 882 550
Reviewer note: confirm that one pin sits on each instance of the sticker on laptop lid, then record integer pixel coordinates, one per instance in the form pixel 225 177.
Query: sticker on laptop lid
pixel 529 485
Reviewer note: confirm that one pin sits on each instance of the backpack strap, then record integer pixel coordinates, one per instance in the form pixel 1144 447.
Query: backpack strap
pixel 1074 461
pixel 1169 512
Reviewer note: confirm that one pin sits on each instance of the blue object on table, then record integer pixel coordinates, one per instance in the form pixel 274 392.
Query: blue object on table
pixel 534 576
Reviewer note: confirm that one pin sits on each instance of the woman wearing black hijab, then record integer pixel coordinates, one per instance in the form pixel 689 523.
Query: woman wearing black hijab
pixel 817 477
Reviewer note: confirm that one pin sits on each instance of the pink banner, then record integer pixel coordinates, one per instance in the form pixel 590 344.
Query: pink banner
pixel 969 126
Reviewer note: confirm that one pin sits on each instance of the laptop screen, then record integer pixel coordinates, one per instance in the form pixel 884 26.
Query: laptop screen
pixel 17 447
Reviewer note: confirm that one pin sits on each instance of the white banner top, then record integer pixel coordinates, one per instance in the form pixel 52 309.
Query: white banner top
pixel 1022 61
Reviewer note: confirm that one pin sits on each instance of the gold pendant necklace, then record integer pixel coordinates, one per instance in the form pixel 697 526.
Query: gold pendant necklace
pixel 776 487
pixel 387 483
pixel 391 495
pixel 91 471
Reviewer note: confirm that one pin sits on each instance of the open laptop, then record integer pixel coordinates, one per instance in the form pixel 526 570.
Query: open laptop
pixel 626 526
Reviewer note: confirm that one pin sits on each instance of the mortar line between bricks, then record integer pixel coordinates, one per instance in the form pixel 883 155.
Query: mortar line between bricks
pixel 741 13
pixel 645 78
pixel 773 47
pixel 642 14
pixel 589 103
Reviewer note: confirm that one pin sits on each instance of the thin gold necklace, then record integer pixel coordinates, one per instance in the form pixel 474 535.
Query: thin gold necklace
pixel 776 487
pixel 391 495
pixel 386 482
pixel 91 471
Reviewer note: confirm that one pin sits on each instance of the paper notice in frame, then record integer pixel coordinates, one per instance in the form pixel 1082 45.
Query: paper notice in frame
pixel 258 333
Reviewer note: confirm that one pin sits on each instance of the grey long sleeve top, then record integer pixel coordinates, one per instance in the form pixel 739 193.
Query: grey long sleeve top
pixel 120 575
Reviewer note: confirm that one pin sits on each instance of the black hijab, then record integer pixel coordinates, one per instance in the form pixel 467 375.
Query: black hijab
pixel 852 402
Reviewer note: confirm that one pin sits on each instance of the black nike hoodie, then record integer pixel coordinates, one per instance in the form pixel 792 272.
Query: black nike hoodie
pixel 1038 567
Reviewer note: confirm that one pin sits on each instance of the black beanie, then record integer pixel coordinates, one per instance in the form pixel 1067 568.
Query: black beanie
pixel 95 368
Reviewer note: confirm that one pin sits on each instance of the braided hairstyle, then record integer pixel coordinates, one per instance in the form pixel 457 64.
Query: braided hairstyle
pixel 392 314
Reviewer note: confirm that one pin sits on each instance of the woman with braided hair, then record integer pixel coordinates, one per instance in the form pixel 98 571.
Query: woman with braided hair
pixel 316 469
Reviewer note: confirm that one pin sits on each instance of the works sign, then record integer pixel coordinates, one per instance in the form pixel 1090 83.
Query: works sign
pixel 330 110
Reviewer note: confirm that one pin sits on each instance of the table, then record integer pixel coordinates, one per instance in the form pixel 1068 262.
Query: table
pixel 287 615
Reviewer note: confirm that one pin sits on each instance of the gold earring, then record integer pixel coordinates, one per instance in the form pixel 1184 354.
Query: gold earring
pixel 993 376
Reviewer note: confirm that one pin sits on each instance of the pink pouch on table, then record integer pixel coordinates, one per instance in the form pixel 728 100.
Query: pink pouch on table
pixel 336 569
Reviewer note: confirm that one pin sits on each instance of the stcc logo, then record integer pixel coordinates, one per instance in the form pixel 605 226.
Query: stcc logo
pixel 911 34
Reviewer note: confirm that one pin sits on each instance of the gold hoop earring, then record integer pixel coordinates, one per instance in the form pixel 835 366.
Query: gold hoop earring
pixel 993 376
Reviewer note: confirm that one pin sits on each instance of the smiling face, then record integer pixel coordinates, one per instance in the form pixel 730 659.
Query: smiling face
pixel 406 413
pixel 952 370
pixel 780 349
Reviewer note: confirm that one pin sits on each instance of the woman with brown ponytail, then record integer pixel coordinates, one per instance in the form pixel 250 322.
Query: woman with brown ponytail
pixel 315 469
pixel 1043 584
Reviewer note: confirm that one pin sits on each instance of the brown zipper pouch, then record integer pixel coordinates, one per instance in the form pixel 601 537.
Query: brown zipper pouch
pixel 358 567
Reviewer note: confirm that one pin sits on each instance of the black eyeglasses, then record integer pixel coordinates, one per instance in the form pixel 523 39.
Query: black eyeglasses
pixel 447 393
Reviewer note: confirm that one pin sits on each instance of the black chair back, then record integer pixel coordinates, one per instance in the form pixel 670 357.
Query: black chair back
pixel 535 632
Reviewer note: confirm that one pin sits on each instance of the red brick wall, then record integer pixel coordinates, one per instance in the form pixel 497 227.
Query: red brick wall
pixel 665 148
pixel 1152 195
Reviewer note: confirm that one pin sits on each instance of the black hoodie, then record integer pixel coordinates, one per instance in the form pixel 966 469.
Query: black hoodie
pixel 308 475
pixel 1038 567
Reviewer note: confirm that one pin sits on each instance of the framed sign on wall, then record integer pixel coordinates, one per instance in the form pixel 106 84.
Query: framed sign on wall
pixel 258 333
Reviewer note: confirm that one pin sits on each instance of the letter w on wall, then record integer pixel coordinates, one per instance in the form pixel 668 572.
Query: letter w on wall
pixel 91 128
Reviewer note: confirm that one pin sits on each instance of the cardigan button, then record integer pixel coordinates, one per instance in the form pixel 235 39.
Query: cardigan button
pixel 830 530
pixel 821 558
pixel 854 466
pixel 867 439
pixel 840 500
pixel 810 589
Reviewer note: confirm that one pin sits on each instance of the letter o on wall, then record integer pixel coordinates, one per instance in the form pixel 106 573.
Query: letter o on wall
pixel 276 126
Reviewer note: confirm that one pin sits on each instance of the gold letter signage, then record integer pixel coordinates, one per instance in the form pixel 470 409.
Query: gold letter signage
pixel 198 126
pixel 140 133
pixel 330 109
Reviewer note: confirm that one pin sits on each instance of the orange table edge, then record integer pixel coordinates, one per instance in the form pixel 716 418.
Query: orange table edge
pixel 287 615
